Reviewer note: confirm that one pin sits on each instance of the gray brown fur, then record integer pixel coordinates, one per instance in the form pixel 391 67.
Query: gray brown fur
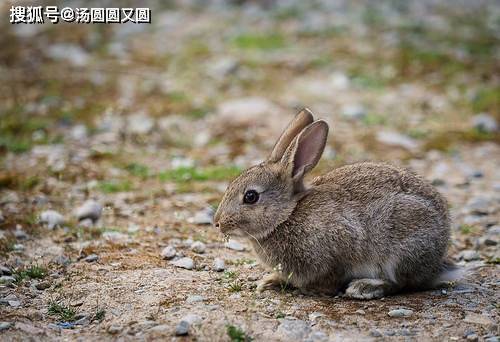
pixel 373 228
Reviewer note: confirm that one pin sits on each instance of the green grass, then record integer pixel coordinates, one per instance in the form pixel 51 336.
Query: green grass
pixel 31 272
pixel 137 170
pixel 235 286
pixel 236 334
pixel 229 275
pixel 215 173
pixel 271 41
pixel 487 100
pixel 99 315
pixel 114 186
pixel 62 312
pixel 467 229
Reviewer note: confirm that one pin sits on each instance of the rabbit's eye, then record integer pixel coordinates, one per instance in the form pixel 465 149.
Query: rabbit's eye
pixel 251 196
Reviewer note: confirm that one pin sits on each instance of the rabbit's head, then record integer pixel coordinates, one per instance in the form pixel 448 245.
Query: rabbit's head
pixel 266 194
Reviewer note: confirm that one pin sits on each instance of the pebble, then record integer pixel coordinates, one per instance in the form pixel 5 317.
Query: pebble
pixel 43 285
pixel 353 111
pixel 18 247
pixel 182 328
pixel 375 333
pixel 477 319
pixel 114 329
pixel 194 299
pixel 115 237
pixel 198 247
pixel 185 323
pixel 246 110
pixel 185 262
pixel 168 252
pixel 396 139
pixel 202 217
pixel 5 325
pixel 469 255
pixel 400 313
pixel 484 122
pixel 140 124
pixel 219 265
pixel 5 270
pixel 51 218
pixel 86 223
pixel 472 337
pixel 20 234
pixel 7 279
pixel 91 258
pixel 235 245
pixel 296 330
pixel 91 209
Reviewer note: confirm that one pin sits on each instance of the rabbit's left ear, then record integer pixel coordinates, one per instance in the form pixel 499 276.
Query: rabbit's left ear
pixel 305 151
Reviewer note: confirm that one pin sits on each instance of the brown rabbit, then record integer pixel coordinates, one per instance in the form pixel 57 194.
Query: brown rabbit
pixel 371 229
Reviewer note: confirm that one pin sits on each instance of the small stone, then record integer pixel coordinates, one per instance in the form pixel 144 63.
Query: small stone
pixel 219 265
pixel 86 223
pixel 91 258
pixel 194 299
pixel 472 337
pixel 168 252
pixel 375 333
pixel 43 285
pixel 5 325
pixel 140 124
pixel 360 312
pixel 469 255
pixel 202 217
pixel 198 247
pixel 400 313
pixel 7 279
pixel 51 218
pixel 296 330
pixel 182 328
pixel 478 319
pixel 28 328
pixel 18 247
pixel 235 245
pixel 318 336
pixel 396 139
pixel 185 262
pixel 20 234
pixel 186 322
pixel 89 210
pixel 115 237
pixel 485 123
pixel 5 270
pixel 491 339
pixel 353 111
pixel 114 329
pixel 61 260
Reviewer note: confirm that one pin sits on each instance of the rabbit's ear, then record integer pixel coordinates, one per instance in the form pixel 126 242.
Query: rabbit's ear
pixel 301 120
pixel 306 150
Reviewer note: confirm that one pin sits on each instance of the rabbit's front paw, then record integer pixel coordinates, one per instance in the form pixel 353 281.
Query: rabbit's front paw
pixel 366 288
pixel 269 281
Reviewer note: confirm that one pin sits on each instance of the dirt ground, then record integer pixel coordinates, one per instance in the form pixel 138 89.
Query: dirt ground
pixel 151 121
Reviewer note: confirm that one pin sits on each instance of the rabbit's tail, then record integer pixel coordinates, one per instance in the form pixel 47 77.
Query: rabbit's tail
pixel 449 272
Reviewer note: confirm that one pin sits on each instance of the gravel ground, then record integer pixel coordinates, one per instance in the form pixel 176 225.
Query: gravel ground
pixel 117 143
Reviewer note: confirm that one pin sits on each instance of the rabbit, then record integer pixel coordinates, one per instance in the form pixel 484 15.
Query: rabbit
pixel 367 229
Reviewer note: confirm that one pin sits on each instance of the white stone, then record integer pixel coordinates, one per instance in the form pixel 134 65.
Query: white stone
pixel 397 139
pixel 51 218
pixel 168 252
pixel 219 265
pixel 198 247
pixel 89 210
pixel 400 313
pixel 185 262
pixel 235 245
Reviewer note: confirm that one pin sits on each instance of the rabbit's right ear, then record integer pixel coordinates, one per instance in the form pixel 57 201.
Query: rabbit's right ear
pixel 299 122
pixel 305 151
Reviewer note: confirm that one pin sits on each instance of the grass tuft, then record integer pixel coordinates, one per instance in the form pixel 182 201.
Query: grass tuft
pixel 215 173
pixel 115 186
pixel 236 334
pixel 62 312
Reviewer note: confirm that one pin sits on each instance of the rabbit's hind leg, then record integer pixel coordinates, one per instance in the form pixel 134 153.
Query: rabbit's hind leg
pixel 367 288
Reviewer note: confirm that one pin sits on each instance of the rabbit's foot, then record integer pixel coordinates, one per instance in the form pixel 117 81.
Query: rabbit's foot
pixel 273 280
pixel 367 288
